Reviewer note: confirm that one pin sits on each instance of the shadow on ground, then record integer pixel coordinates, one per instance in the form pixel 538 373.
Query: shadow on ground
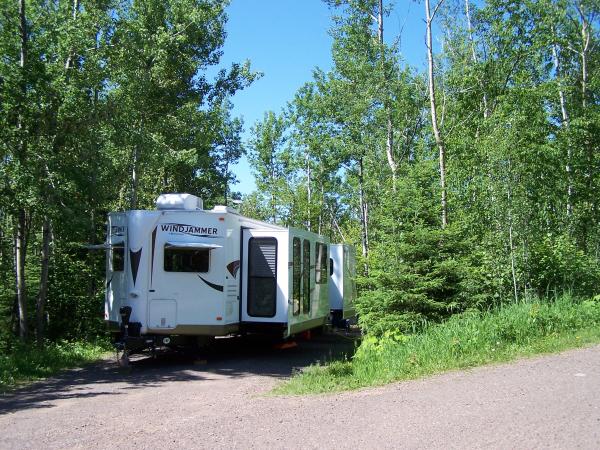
pixel 233 357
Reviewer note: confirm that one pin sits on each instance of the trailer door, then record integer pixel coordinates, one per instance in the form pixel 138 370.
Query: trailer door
pixel 264 276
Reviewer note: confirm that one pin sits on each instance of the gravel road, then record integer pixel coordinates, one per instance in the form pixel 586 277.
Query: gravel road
pixel 173 402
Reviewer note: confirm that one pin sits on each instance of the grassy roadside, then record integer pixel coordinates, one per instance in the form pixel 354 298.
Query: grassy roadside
pixel 467 340
pixel 27 362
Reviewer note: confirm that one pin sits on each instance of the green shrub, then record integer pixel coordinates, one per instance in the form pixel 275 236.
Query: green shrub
pixel 27 362
pixel 426 275
pixel 557 265
pixel 464 340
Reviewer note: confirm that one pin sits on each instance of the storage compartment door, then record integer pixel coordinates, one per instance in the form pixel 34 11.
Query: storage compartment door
pixel 163 314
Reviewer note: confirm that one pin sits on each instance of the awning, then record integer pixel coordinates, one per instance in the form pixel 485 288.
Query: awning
pixel 192 245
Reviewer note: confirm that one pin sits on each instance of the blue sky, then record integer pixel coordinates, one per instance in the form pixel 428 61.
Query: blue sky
pixel 286 40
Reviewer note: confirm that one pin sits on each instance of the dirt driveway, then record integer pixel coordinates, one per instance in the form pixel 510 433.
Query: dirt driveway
pixel 173 402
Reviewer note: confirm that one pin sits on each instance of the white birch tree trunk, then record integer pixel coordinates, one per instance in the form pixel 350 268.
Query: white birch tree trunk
pixel 389 144
pixel 134 178
pixel 21 235
pixel 565 123
pixel 429 16
pixel 43 290
pixel 364 216
pixel 21 251
pixel 308 192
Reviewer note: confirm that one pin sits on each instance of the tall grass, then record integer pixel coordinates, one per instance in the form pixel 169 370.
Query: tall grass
pixel 26 362
pixel 466 340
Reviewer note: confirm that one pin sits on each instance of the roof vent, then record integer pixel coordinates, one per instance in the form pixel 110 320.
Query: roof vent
pixel 178 201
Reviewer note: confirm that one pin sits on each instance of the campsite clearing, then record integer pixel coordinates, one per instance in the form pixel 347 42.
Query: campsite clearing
pixel 173 402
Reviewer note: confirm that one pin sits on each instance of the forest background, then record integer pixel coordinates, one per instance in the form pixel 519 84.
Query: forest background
pixel 466 186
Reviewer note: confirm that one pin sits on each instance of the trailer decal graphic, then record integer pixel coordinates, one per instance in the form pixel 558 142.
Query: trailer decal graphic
pixel 233 267
pixel 152 260
pixel 212 285
pixel 135 257
pixel 192 230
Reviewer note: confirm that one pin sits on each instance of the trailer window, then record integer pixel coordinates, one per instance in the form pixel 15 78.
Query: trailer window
pixel 306 276
pixel 296 276
pixel 186 260
pixel 330 267
pixel 321 263
pixel 117 258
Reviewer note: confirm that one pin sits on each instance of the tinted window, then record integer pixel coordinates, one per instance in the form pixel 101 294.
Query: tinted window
pixel 306 276
pixel 186 259
pixel 297 275
pixel 118 258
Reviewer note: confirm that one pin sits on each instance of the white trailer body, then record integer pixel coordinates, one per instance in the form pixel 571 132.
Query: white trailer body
pixel 185 271
pixel 342 286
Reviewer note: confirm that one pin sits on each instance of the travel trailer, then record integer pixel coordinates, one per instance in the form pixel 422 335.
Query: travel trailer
pixel 179 274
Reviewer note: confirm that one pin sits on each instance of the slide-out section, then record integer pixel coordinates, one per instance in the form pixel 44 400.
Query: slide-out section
pixel 264 282
pixel 116 264
pixel 309 306
pixel 342 288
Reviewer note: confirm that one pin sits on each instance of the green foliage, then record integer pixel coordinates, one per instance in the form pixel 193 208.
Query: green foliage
pixel 103 106
pixel 558 265
pixel 520 124
pixel 114 102
pixel 416 280
pixel 76 291
pixel 419 272
pixel 271 163
pixel 26 362
pixel 465 340
pixel 425 275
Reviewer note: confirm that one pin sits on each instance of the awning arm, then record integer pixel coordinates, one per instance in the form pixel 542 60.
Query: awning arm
pixel 103 246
